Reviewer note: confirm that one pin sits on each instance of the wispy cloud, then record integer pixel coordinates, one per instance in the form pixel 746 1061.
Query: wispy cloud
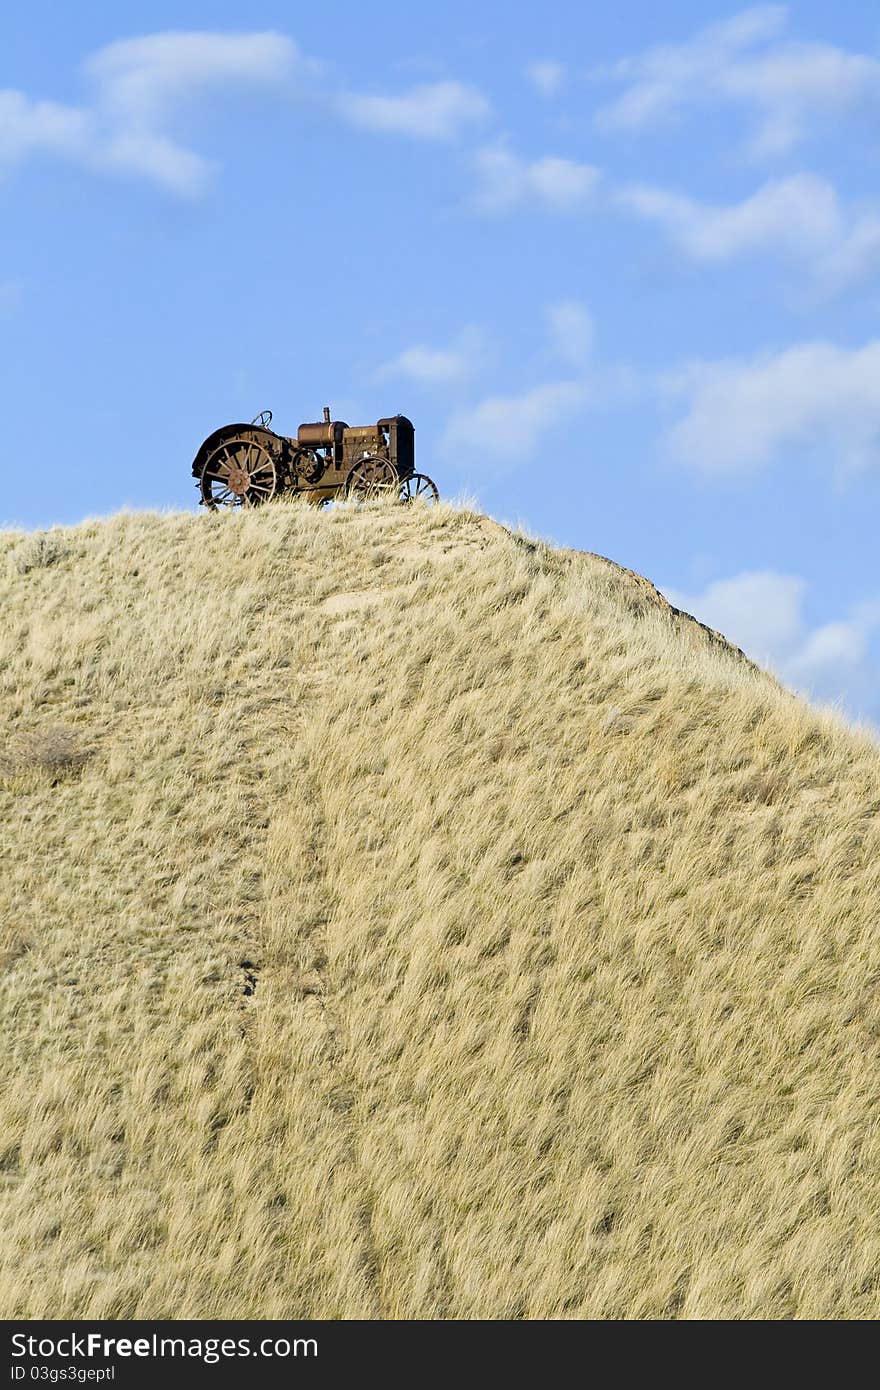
pixel 28 127
pixel 155 157
pixel 547 76
pixel 572 331
pixel 505 181
pixel 744 60
pixel 510 427
pixel 140 87
pixel 142 80
pixel 742 415
pixel 433 366
pixel 799 218
pixel 432 111
pixel 764 613
pixel 137 85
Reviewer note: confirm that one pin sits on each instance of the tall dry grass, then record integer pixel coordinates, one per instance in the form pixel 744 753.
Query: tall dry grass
pixel 404 919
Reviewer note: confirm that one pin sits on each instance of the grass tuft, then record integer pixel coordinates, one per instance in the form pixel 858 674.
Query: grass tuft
pixel 37 552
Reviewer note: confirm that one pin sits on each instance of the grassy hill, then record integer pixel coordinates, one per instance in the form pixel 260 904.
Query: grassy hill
pixel 403 919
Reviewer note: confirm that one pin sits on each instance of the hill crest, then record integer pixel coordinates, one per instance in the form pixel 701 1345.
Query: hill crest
pixel 408 919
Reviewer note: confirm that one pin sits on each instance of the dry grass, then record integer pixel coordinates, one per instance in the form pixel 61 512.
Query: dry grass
pixel 37 552
pixel 421 923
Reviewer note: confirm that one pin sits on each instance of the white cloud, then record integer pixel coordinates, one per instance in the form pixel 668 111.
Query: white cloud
pixel 572 331
pixel 510 428
pixel 506 180
pixel 514 428
pixel 744 60
pixel 433 111
pixel 140 80
pixel 439 366
pixel 854 255
pixel 139 87
pixel 27 127
pixel 797 83
pixel 830 648
pixel 662 79
pixel 547 76
pixel 155 157
pixel 799 217
pixel 798 214
pixel 760 611
pixel 137 84
pixel 763 612
pixel 815 396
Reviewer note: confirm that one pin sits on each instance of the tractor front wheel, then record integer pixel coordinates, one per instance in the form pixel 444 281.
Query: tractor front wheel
pixel 418 488
pixel 371 477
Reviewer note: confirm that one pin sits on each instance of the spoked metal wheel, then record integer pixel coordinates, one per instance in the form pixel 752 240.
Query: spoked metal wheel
pixel 418 487
pixel 240 473
pixel 372 477
pixel 307 465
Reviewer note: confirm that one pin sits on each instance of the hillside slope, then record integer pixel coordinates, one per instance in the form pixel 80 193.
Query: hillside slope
pixel 402 919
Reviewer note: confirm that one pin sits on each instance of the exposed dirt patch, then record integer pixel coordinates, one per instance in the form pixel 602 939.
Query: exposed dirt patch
pixel 353 602
pixel 53 754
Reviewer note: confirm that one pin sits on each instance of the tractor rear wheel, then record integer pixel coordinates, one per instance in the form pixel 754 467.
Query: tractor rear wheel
pixel 239 473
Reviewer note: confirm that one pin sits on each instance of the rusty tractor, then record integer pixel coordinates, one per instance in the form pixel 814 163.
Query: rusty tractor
pixel 247 465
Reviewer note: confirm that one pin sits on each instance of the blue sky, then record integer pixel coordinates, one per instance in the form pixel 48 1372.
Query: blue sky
pixel 619 264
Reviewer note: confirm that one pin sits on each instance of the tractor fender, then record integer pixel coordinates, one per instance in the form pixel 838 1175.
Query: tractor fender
pixel 276 444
